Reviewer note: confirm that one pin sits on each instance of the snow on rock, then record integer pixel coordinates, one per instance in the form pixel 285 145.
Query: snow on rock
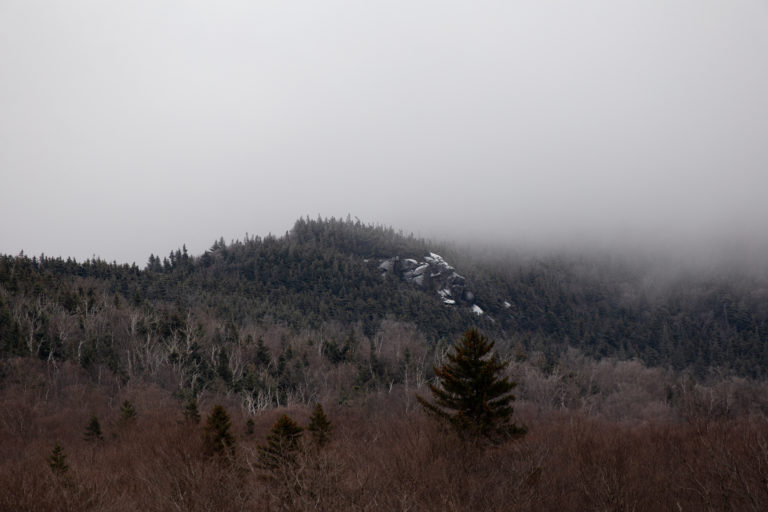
pixel 417 274
pixel 409 264
pixel 387 266
pixel 477 310
pixel 438 261
pixel 507 304
pixel 445 294
pixel 432 272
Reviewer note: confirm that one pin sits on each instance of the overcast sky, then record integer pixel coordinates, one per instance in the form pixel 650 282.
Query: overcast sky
pixel 129 128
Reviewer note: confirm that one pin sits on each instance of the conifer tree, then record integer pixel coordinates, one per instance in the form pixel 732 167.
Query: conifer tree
pixel 93 430
pixel 282 444
pixel 263 357
pixel 127 412
pixel 217 439
pixel 191 413
pixel 470 394
pixel 319 426
pixel 57 461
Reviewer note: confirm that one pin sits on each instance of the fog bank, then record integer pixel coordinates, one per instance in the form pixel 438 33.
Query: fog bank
pixel 132 128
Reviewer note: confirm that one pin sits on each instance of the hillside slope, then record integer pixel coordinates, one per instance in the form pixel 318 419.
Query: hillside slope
pixel 356 276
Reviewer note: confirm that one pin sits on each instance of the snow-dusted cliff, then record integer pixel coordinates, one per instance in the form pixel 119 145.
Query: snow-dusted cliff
pixel 432 272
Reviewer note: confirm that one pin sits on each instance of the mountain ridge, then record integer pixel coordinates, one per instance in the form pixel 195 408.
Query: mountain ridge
pixel 336 270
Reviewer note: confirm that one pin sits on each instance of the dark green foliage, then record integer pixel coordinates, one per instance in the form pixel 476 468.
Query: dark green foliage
pixel 326 271
pixel 127 412
pixel 263 358
pixel 11 342
pixel 338 353
pixel 191 413
pixel 93 430
pixel 249 426
pixel 57 461
pixel 223 367
pixel 217 438
pixel 319 426
pixel 282 444
pixel 471 393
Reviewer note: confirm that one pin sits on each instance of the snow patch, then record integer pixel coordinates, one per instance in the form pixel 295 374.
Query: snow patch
pixel 438 260
pixel 477 310
pixel 507 304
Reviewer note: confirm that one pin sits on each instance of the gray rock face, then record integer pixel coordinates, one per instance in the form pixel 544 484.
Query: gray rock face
pixel 432 272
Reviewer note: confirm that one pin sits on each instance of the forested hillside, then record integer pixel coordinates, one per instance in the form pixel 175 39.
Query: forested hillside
pixel 108 370
pixel 327 274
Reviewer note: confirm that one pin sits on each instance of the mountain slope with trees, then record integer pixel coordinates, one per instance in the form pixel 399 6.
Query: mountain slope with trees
pixel 324 276
pixel 107 371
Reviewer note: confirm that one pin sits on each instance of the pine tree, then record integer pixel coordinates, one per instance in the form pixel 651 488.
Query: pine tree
pixel 263 357
pixel 191 413
pixel 217 439
pixel 127 412
pixel 57 461
pixel 319 426
pixel 93 430
pixel 471 395
pixel 282 444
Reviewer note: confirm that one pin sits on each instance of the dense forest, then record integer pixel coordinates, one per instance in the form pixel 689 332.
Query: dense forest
pixel 327 272
pixel 637 395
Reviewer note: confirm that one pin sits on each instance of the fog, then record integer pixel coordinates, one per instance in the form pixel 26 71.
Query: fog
pixel 130 128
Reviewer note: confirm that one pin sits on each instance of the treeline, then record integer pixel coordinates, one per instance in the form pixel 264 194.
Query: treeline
pixel 325 272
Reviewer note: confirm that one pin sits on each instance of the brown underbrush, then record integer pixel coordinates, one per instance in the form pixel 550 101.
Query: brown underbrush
pixel 382 456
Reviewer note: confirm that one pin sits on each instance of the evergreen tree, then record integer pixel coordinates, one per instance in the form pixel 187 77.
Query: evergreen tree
pixel 127 412
pixel 319 426
pixel 223 367
pixel 282 444
pixel 191 413
pixel 263 357
pixel 57 461
pixel 93 430
pixel 217 439
pixel 471 395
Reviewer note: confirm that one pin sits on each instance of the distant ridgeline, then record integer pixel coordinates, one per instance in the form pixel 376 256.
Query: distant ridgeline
pixel 343 271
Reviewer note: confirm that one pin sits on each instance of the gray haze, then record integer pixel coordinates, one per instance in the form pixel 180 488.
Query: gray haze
pixel 130 128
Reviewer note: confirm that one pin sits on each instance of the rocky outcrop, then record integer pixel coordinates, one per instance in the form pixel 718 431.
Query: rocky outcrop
pixel 432 272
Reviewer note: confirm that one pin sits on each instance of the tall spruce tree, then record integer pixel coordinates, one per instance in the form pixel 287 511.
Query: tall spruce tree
pixel 471 394
pixel 217 439
pixel 282 444
pixel 319 426
pixel 93 430
pixel 191 413
pixel 127 412
pixel 57 461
